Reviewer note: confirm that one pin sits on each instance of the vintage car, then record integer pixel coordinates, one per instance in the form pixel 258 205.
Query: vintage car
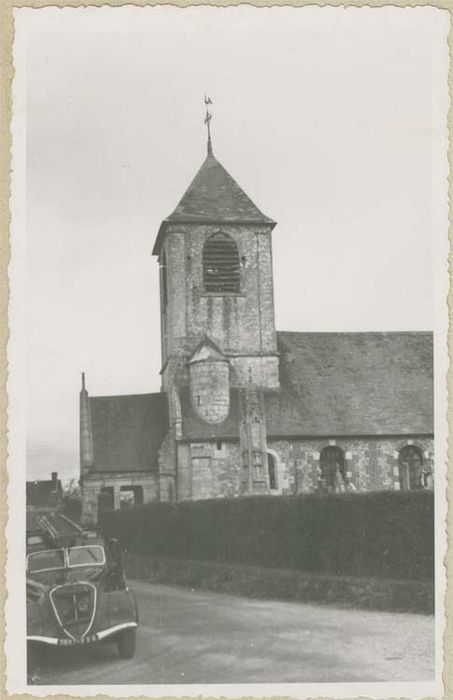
pixel 76 590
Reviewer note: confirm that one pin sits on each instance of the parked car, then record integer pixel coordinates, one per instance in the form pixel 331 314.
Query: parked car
pixel 76 590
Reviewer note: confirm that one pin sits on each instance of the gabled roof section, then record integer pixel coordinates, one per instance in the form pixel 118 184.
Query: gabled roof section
pixel 207 349
pixel 128 431
pixel 213 197
pixel 353 384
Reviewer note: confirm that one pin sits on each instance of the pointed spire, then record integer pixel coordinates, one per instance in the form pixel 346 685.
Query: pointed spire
pixel 212 197
pixel 85 429
pixel 207 121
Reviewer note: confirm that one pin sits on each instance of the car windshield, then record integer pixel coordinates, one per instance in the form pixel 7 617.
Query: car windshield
pixel 47 560
pixel 53 559
pixel 86 556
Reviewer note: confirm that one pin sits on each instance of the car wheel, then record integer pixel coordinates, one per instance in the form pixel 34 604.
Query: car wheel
pixel 126 644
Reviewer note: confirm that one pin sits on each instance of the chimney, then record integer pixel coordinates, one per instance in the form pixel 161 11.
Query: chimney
pixel 54 477
pixel 86 436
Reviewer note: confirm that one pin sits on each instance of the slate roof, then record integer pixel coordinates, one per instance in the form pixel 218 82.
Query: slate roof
pixel 128 431
pixel 213 196
pixel 335 384
pixel 353 384
pixel 47 493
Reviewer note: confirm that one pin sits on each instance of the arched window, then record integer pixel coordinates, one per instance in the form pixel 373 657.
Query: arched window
pixel 221 267
pixel 272 471
pixel 410 467
pixel 333 469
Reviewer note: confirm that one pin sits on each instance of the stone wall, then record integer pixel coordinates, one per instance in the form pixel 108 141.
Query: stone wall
pixel 371 463
pixel 242 324
pixel 167 469
pixel 92 485
pixel 184 472
pixel 262 371
pixel 210 389
pixel 209 470
pixel 213 469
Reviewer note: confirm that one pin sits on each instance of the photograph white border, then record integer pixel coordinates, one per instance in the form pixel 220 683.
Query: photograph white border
pixel 16 387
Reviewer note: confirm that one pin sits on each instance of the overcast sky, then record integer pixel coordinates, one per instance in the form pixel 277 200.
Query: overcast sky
pixel 328 119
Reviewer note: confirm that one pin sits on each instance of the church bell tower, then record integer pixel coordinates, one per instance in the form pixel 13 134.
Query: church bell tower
pixel 216 284
pixel 217 313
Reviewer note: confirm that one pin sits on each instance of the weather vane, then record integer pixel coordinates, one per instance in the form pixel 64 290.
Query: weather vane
pixel 207 121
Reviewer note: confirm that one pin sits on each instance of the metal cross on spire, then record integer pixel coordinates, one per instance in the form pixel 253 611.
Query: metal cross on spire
pixel 207 121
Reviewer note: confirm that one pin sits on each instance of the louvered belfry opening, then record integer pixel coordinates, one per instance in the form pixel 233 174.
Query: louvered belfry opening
pixel 221 268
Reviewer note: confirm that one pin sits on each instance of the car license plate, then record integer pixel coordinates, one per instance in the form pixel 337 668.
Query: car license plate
pixel 77 642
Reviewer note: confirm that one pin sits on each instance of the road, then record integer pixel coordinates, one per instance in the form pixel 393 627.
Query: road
pixel 200 637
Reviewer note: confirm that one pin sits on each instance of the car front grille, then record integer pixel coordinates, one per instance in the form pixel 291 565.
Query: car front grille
pixel 74 606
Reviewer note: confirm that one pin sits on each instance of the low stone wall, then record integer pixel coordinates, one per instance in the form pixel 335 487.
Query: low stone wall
pixel 256 582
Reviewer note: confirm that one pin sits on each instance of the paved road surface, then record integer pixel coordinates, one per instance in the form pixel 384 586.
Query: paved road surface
pixel 200 637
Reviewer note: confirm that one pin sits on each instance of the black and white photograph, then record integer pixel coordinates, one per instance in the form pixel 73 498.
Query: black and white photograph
pixel 228 351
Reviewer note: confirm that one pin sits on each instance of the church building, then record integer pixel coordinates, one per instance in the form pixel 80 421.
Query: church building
pixel 243 408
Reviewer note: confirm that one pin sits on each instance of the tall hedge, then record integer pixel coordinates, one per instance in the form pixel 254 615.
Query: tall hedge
pixel 387 534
